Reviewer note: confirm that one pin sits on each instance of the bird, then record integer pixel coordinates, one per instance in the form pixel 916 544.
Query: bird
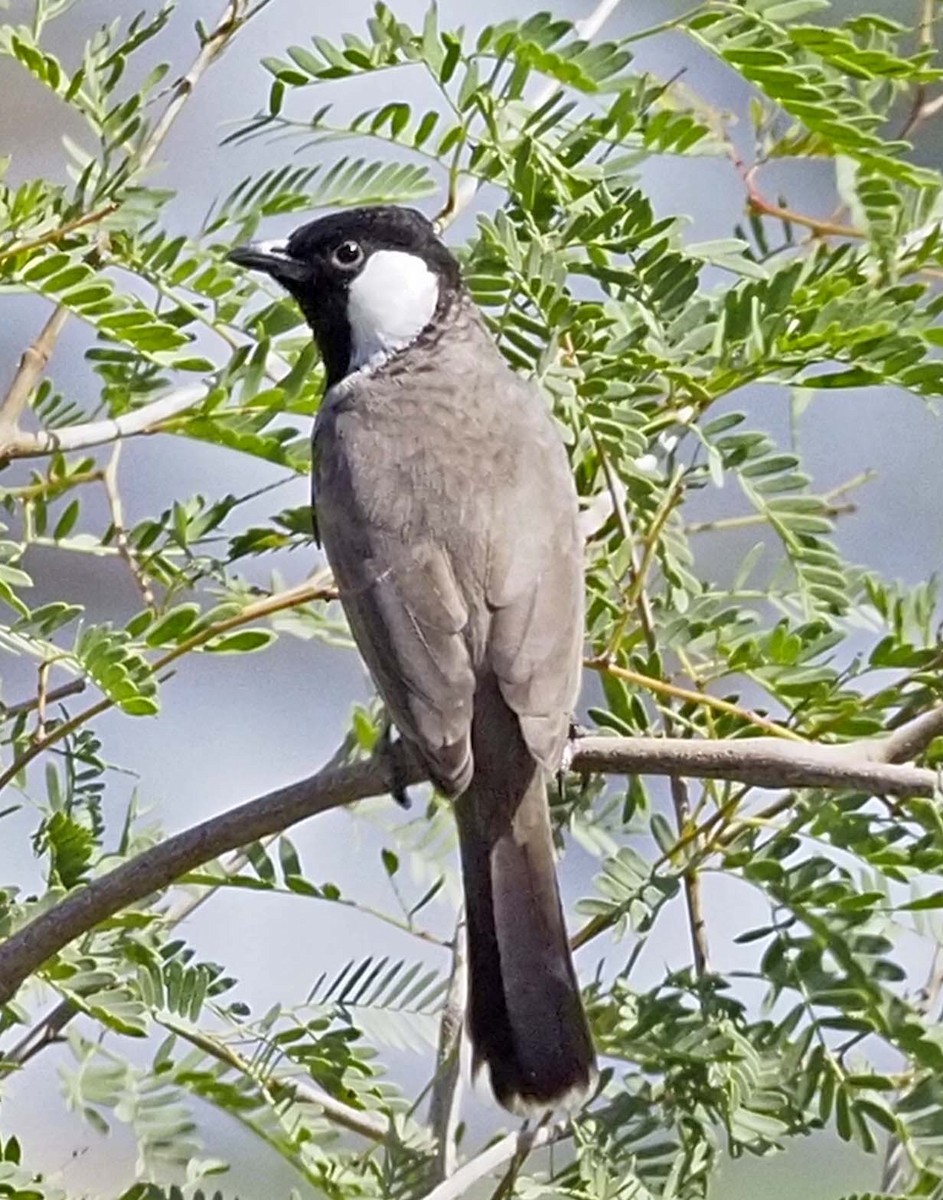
pixel 447 511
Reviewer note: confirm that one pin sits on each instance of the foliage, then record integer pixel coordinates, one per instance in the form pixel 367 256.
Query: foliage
pixel 647 344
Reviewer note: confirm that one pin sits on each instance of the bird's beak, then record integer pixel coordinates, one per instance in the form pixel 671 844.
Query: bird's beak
pixel 272 257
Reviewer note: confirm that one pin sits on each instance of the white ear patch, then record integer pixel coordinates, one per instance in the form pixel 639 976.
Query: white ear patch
pixel 389 304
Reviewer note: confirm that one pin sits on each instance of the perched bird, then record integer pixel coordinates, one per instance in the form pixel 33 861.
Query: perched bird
pixel 446 508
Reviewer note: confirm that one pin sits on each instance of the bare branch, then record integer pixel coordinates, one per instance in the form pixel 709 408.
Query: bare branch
pixel 97 433
pixel 110 481
pixel 234 16
pixel 73 688
pixel 159 866
pixel 905 743
pixel 763 762
pixel 444 1103
pixel 32 364
pixel 503 1151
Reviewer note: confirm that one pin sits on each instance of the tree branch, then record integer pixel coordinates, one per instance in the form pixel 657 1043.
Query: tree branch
pixel 36 356
pixel 97 433
pixel 123 542
pixel 504 1150
pixel 234 15
pixel 444 1103
pixel 159 866
pixel 905 743
pixel 762 762
pixel 52 236
pixel 73 688
pixel 32 364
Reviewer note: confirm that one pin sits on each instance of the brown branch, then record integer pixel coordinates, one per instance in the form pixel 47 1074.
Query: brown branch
pixel 52 236
pixel 32 364
pixel 446 1087
pixel 83 908
pixel 691 881
pixel 123 542
pixel 761 207
pixel 763 762
pixel 46 1031
pixel 73 688
pixel 760 762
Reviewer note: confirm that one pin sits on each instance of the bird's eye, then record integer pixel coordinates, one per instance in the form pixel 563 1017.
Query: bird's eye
pixel 347 255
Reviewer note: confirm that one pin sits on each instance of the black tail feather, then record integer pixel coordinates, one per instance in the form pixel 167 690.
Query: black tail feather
pixel 525 1015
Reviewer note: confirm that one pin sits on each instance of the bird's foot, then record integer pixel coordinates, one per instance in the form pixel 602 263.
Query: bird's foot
pixel 393 752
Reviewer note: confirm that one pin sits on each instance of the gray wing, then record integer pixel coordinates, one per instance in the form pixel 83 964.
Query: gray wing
pixel 535 589
pixel 515 612
pixel 408 618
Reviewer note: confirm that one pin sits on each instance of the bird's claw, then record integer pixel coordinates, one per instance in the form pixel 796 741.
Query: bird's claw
pixel 392 752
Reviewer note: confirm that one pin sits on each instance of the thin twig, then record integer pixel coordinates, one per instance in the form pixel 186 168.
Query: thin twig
pixel 691 881
pixel 234 16
pixel 122 541
pixel 52 236
pixel 503 1151
pixel 42 698
pixel 459 198
pixel 763 762
pixel 661 688
pixel 819 228
pixel 32 364
pixel 37 355
pixel 897 1165
pixel 446 1088
pixel 830 501
pixel 305 593
pixel 146 419
pixel 53 696
pixel 921 109
pixel 370 1125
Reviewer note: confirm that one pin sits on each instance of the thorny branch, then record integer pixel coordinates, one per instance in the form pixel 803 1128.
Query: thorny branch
pixel 765 762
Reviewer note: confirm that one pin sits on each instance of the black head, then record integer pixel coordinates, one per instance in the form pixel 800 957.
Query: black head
pixel 368 280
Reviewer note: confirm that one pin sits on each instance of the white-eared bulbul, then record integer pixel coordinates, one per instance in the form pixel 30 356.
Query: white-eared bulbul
pixel 448 514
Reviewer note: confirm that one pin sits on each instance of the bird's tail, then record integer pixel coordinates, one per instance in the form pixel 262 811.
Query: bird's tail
pixel 525 1015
